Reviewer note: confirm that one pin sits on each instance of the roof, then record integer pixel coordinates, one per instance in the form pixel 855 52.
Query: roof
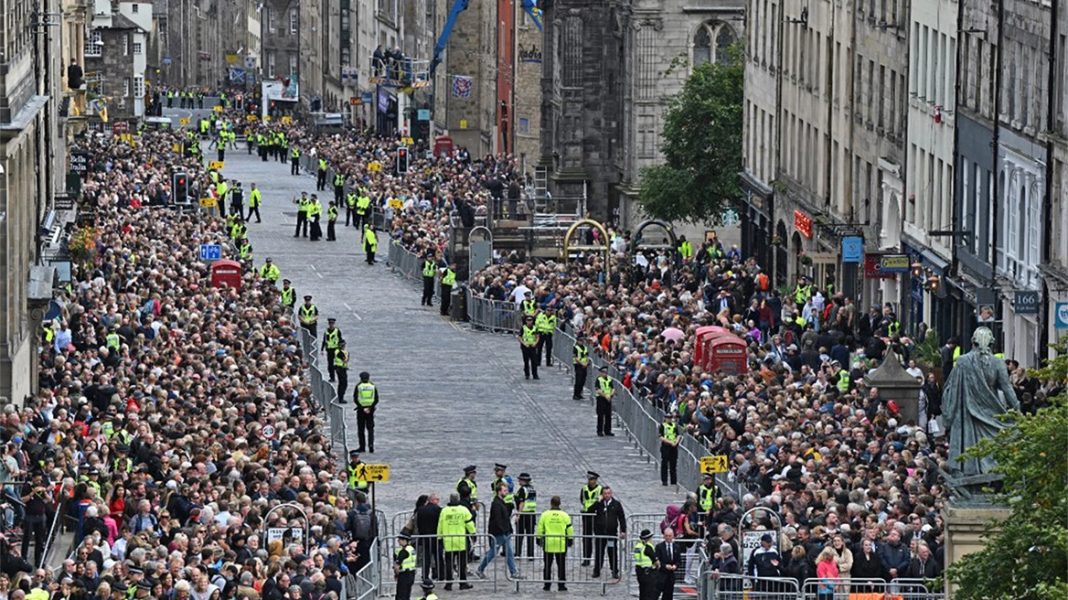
pixel 120 21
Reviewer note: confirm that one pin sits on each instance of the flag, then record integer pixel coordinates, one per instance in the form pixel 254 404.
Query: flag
pixel 462 86
pixel 237 75
pixel 531 8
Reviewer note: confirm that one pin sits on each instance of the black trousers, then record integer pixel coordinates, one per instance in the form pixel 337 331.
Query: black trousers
pixel 37 526
pixel 525 530
pixel 530 361
pixel 587 537
pixel 446 299
pixel 405 580
pixel 249 145
pixel 604 416
pixel 580 380
pixel 320 181
pixel 263 153
pixel 545 348
pixel 558 558
pixel 359 219
pixel 316 230
pixel 665 585
pixel 350 213
pixel 646 583
pixel 221 154
pixel 342 382
pixel 339 192
pixel 254 210
pixel 370 256
pixel 302 224
pixel 428 291
pixel 669 463
pixel 431 557
pixel 331 236
pixel 365 426
pixel 602 544
pixel 458 561
pixel 330 362
pixel 294 168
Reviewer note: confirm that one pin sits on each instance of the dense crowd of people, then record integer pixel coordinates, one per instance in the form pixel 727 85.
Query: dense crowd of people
pixel 172 417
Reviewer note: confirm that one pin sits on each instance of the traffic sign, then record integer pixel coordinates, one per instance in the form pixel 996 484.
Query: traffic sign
pixel 216 165
pixel 268 430
pixel 218 108
pixel 287 120
pixel 208 202
pixel 714 464
pixel 373 472
pixel 183 121
pixel 214 252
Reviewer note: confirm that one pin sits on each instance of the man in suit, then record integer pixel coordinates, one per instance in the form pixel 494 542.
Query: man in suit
pixel 608 522
pixel 668 557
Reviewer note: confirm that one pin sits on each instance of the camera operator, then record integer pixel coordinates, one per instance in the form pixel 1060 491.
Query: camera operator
pixel 38 500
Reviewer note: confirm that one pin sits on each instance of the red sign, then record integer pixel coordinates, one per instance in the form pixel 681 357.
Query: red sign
pixel 119 127
pixel 803 224
pixel 355 101
pixel 873 268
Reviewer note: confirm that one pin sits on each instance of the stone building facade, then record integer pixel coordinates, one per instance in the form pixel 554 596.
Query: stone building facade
pixel 1055 253
pixel 610 68
pixel 280 39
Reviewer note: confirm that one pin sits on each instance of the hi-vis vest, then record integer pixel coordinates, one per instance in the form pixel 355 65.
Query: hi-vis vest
pixel 339 180
pixel 308 314
pixel 295 153
pixel 843 381
pixel 706 497
pixel 341 359
pixel 289 296
pixel 530 336
pixel 605 386
pixel 449 278
pixel 582 355
pixel 589 497
pixel 408 564
pixel 671 432
pixel 322 164
pixel 362 204
pixel 254 198
pixel 429 268
pixel 802 294
pixel 114 342
pixel 641 559
pixel 530 499
pixel 470 484
pixel 333 338
pixel 529 307
pixel 350 200
pixel 365 394
pixel 354 481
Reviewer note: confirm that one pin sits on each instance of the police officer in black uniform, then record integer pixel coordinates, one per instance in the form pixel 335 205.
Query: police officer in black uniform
pixel 341 371
pixel 331 341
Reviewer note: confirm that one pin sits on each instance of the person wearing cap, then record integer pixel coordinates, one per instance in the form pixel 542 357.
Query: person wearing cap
pixel 366 398
pixel 428 590
pixel 309 317
pixel 545 323
pixel 357 478
pixel 370 243
pixel 707 493
pixel 331 222
pixel 528 345
pixel 448 280
pixel 455 525
pixel 580 361
pixel 303 208
pixel 500 476
pixel 526 501
pixel 765 560
pixel 430 269
pixel 606 389
pixel 528 307
pixel 404 566
pixel 331 341
pixel 670 439
pixel 588 496
pixel 255 198
pixel 341 371
pixel 288 294
pixel 644 561
pixel 555 536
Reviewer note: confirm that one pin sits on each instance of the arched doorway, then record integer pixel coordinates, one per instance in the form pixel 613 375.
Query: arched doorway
pixel 780 254
pixel 795 255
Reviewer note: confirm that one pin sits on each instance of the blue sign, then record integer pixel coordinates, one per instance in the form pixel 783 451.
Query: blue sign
pixel 367 97
pixel 1062 315
pixel 852 249
pixel 210 252
pixel 166 61
pixel 423 114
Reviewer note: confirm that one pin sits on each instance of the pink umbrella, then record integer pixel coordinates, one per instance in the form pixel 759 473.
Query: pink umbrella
pixel 673 334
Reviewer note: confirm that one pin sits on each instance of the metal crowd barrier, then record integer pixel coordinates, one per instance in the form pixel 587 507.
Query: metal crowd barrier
pixel 496 316
pixel 400 519
pixel 326 398
pixel 688 575
pixel 405 262
pixel 578 567
pixel 432 561
pixel 366 582
pixel 745 587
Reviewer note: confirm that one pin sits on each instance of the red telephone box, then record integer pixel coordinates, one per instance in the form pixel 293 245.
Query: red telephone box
pixel 226 272
pixel 702 336
pixel 442 145
pixel 726 353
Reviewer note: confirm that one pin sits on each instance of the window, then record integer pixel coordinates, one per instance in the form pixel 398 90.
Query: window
pixel 139 87
pixel 292 65
pixel 125 45
pixel 724 38
pixel 345 20
pixel 94 44
pixel 702 47
pixel 294 22
pixel 270 20
pixel 125 87
pixel 133 8
pixel 137 48
pixel 270 64
pixel 346 56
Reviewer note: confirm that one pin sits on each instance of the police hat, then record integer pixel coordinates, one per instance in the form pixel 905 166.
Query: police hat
pixel 284 280
pixel 354 453
pixel 710 476
pixel 500 466
pixel 404 535
pixel 592 475
pixel 308 297
pixel 331 320
pixel 268 259
pixel 470 469
pixel 144 584
pixel 118 588
pixel 646 534
pixel 427 585
pixel 603 369
pixel 524 477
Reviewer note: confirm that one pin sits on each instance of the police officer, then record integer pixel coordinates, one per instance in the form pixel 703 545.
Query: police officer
pixel 588 496
pixel 581 363
pixel 255 198
pixel 644 560
pixel 669 449
pixel 555 536
pixel 320 180
pixel 370 243
pixel 448 280
pixel 528 306
pixel 404 565
pixel 528 345
pixel 428 590
pixel 288 295
pixel 303 206
pixel 269 271
pixel 363 208
pixel 526 500
pixel 706 493
pixel 466 487
pixel 294 161
pixel 350 208
pixel 341 371
pixel 331 221
pixel 366 397
pixel 309 316
pixel 545 323
pixel 430 268
pixel 331 341
pixel 500 477
pixel 339 187
pixel 315 214
pixel 237 200
pixel 606 389
pixel 355 473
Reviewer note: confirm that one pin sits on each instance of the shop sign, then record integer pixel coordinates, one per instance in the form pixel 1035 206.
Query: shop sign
pixel 803 224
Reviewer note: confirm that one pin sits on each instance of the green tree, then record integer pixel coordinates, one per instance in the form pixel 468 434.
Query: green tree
pixel 1026 555
pixel 702 146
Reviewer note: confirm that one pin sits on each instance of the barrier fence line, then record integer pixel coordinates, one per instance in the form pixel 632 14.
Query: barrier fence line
pixel 325 397
pixel 497 316
pixel 717 586
pixel 436 561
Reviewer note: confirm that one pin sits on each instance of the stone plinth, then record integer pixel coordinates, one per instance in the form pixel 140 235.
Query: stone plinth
pixel 895 383
pixel 965 526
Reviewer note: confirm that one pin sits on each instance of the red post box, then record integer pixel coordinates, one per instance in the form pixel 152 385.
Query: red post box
pixel 226 273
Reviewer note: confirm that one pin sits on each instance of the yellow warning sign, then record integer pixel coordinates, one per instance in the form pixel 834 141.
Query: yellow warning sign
pixel 216 165
pixel 286 120
pixel 208 202
pixel 463 123
pixel 184 121
pixel 176 148
pixel 395 204
pixel 252 118
pixel 218 108
pixel 373 472
pixel 714 464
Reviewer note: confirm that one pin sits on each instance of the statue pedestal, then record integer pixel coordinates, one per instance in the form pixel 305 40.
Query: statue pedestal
pixel 965 526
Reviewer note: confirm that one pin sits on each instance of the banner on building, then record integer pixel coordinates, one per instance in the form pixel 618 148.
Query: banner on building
pixel 237 75
pixel 350 75
pixel 1061 320
pixel 462 86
